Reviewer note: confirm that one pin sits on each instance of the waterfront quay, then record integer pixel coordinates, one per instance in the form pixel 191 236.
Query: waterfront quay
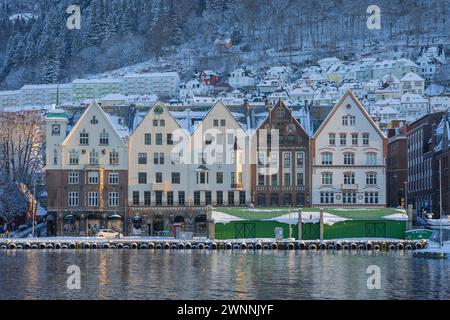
pixel 235 244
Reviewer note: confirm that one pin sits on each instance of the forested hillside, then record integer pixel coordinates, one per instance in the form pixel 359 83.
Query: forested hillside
pixel 37 47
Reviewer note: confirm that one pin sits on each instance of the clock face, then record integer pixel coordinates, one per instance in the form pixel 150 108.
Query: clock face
pixel 290 128
pixel 55 129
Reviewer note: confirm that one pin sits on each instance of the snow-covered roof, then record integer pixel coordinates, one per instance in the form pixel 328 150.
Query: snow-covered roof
pixel 411 76
pixel 412 98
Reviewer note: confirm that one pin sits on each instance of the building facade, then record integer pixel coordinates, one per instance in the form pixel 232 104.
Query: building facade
pixel 163 84
pixel 280 175
pixel 397 168
pixel 422 167
pixel 349 158
pixel 86 174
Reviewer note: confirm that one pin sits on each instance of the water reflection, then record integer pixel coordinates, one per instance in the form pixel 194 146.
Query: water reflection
pixel 165 274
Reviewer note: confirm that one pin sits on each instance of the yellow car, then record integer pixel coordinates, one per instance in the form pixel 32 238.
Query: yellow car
pixel 109 234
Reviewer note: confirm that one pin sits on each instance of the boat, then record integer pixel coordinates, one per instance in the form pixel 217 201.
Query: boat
pixel 419 234
pixel 436 223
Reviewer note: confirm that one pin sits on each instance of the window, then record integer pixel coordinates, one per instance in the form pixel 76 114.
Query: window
pixel 73 199
pixel 74 158
pixel 142 178
pixel 365 139
pixel 371 197
pixel 349 197
pixel 93 177
pixel 261 179
pixel 155 122
pixel 281 139
pixel 348 120
pixel 208 197
pixel 219 177
pixel 104 138
pixel 169 139
pixel 349 158
pixel 84 138
pixel 327 197
pixel 274 180
pixel 354 139
pixel 148 139
pixel 215 122
pixel 222 122
pixel 300 159
pixel 55 157
pixel 219 197
pixel 113 199
pixel 93 199
pixel 162 123
pixel 159 139
pixel 349 178
pixel 197 198
pixel 371 158
pixel 202 177
pixel 327 158
pixel 135 198
pixel 114 158
pixel 332 139
pixel 170 198
pixel 300 178
pixel 287 159
pixel 142 158
pixel 343 139
pixel 147 198
pixel 290 139
pixel 158 196
pixel 327 178
pixel 231 198
pixel 371 178
pixel 241 198
pixel 155 158
pixel 74 177
pixel 287 179
pixel 176 178
pixel 93 157
pixel 208 138
pixel 158 177
pixel 181 198
pixel 113 178
pixel 233 177
pixel 161 158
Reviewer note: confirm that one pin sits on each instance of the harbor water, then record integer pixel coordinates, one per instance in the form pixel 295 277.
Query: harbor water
pixel 206 274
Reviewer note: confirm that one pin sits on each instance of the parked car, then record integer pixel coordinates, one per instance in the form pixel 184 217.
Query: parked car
pixel 109 234
pixel 22 227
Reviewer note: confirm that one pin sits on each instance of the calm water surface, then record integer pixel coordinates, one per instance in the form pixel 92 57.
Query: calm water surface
pixel 133 274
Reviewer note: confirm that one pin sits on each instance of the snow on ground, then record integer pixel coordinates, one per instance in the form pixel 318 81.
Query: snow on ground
pixel 309 217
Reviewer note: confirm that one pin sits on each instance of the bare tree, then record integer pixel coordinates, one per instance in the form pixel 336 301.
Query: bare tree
pixel 13 201
pixel 21 146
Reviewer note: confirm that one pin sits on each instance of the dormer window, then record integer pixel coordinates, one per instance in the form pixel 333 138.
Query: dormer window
pixel 104 138
pixel 84 138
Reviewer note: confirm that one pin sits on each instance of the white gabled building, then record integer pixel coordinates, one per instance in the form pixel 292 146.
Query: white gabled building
pixel 241 78
pixel 412 83
pixel 220 170
pixel 413 106
pixel 348 158
pixel 157 176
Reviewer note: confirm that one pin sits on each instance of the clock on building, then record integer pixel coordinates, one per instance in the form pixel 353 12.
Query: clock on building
pixel 56 129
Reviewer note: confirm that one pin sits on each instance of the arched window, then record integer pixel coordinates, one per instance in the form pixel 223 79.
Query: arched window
pixel 300 199
pixel 371 158
pixel 84 138
pixel 274 199
pixel 371 178
pixel 349 178
pixel 287 199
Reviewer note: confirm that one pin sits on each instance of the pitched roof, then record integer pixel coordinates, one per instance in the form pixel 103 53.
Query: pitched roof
pixel 360 107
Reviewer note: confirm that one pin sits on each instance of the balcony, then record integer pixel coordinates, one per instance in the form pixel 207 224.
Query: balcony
pixel 349 187
pixel 279 188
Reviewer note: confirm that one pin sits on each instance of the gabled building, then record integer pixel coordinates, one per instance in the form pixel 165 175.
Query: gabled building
pixel 280 176
pixel 442 154
pixel 349 158
pixel 86 173
pixel 220 170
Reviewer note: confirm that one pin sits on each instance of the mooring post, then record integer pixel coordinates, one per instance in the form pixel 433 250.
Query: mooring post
pixel 409 212
pixel 321 224
pixel 299 225
pixel 210 222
